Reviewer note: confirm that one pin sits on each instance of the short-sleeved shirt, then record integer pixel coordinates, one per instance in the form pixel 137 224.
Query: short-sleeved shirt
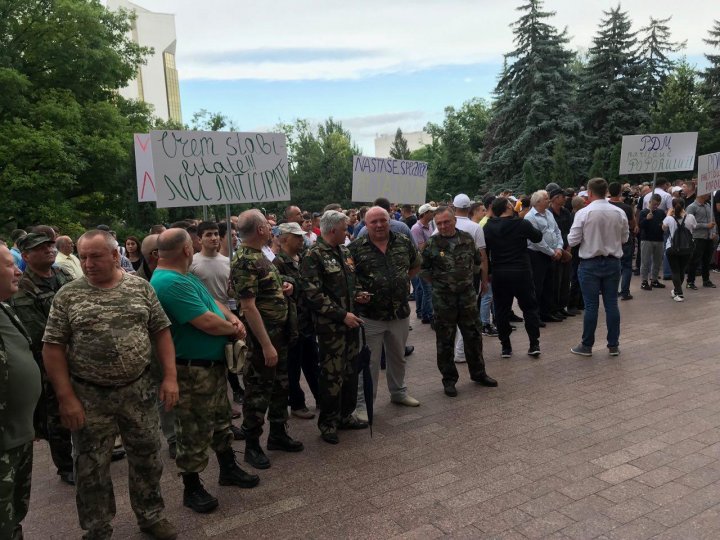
pixel 107 331
pixel 214 272
pixel 254 276
pixel 672 224
pixel 385 276
pixel 184 297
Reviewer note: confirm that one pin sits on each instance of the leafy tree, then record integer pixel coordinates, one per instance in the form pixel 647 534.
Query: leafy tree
pixel 65 133
pixel 655 48
pixel 320 163
pixel 203 120
pixel 611 86
pixel 680 105
pixel 453 156
pixel 534 99
pixel 399 148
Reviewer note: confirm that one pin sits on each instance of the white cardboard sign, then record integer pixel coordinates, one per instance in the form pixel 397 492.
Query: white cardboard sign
pixel 708 173
pixel 144 168
pixel 658 153
pixel 195 168
pixel 398 180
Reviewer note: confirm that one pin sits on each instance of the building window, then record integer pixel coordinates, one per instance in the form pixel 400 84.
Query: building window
pixel 172 85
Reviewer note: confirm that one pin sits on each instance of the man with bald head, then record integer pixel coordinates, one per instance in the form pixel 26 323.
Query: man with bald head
pixel 262 294
pixel 384 264
pixel 293 214
pixel 65 258
pixel 150 257
pixel 201 327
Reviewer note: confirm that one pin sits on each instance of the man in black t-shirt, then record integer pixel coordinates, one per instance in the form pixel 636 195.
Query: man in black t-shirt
pixel 614 190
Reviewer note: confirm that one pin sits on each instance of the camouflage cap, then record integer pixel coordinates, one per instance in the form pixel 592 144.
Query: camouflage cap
pixel 291 228
pixel 33 240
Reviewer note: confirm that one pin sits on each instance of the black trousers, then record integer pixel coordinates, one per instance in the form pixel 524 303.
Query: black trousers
pixel 509 284
pixel 678 266
pixel 542 277
pixel 561 284
pixel 701 256
pixel 303 356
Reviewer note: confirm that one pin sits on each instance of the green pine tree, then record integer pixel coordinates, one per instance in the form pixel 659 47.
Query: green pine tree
pixel 562 174
pixel 611 85
pixel 655 48
pixel 533 101
pixel 680 105
pixel 399 148
pixel 711 76
pixel 597 168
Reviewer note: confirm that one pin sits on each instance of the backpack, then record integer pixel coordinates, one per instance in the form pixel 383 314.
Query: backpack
pixel 682 240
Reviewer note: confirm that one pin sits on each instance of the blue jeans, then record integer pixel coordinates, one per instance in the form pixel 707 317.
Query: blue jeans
pixel 600 275
pixel 418 292
pixel 426 311
pixel 486 301
pixel 626 267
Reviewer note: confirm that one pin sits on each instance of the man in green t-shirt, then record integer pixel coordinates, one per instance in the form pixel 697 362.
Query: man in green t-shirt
pixel 201 327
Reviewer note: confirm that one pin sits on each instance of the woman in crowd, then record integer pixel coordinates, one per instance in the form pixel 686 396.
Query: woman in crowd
pixel 132 252
pixel 677 217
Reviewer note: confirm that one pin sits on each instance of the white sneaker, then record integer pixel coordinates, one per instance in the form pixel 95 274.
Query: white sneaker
pixel 679 298
pixel 408 401
pixel 361 415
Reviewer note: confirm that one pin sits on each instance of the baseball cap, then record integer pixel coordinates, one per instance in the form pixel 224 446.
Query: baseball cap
pixel 427 208
pixel 291 228
pixel 462 201
pixel 675 189
pixel 552 186
pixel 555 192
pixel 33 240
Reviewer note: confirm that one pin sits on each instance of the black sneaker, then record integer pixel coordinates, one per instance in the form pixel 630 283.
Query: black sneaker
pixel 709 284
pixel 645 286
pixel 691 285
pixel 506 352
pixel 450 390
pixel 199 500
pixel 657 285
pixel 489 330
pixel 627 296
pixel 534 350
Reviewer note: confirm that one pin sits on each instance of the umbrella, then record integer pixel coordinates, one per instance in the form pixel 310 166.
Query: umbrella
pixel 364 368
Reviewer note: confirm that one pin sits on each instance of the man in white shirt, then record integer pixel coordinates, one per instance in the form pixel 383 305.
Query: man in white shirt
pixel 661 188
pixel 600 229
pixel 65 258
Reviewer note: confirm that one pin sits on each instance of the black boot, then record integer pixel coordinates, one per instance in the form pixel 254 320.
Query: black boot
pixel 254 454
pixel 231 474
pixel 280 440
pixel 195 497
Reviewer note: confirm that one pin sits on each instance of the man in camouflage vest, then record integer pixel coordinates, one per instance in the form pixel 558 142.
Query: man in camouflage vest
pixel 98 345
pixel 262 296
pixel 385 262
pixel 32 302
pixel 449 261
pixel 328 281
pixel 19 392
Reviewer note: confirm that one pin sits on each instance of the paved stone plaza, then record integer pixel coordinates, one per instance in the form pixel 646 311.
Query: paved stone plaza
pixel 566 447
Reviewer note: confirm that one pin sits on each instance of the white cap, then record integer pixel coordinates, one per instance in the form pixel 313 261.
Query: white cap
pixel 426 208
pixel 462 201
pixel 675 189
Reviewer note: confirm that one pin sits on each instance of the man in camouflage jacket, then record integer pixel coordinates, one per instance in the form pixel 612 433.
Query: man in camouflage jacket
pixel 449 261
pixel 328 281
pixel 384 264
pixel 32 302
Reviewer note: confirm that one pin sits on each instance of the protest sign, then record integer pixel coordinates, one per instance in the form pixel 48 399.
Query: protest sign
pixel 658 153
pixel 397 180
pixel 708 173
pixel 194 168
pixel 144 168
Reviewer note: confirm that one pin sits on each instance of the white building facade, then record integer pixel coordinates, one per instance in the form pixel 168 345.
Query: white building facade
pixel 157 82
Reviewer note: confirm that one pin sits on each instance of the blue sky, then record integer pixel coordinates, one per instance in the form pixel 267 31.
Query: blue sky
pixel 375 65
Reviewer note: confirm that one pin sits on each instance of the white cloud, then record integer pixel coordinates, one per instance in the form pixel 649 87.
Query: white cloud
pixel 223 39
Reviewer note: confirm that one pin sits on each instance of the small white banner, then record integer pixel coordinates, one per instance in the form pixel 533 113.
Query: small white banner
pixel 658 153
pixel 144 168
pixel 708 173
pixel 398 180
pixel 196 168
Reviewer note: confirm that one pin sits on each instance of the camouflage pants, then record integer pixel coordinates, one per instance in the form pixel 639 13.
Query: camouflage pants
pixel 131 411
pixel 202 416
pixel 266 388
pixel 338 377
pixel 15 476
pixel 454 311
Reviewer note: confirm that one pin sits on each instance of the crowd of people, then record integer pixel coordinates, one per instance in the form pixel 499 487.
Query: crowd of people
pixel 104 347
